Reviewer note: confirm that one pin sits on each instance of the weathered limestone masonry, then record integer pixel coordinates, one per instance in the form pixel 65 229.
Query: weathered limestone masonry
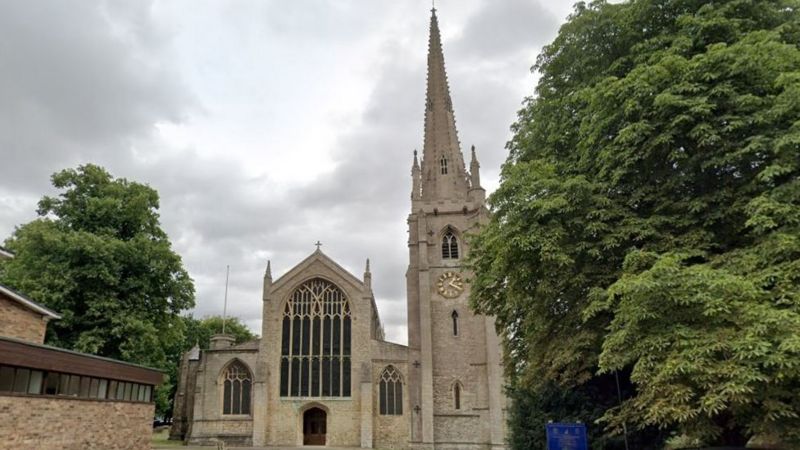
pixel 57 424
pixel 322 372
pixel 454 356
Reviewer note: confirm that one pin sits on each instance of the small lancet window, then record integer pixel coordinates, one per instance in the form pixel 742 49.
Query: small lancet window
pixel 236 389
pixel 449 246
pixel 455 322
pixel 391 392
pixel 443 165
pixel 457 395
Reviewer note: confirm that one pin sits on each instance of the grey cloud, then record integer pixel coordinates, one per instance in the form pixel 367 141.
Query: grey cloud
pixel 81 82
pixel 74 84
pixel 502 28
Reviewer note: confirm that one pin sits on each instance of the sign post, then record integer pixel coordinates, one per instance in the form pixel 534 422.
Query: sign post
pixel 566 436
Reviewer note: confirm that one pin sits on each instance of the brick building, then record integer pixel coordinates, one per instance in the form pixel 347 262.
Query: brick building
pixel 51 398
pixel 322 373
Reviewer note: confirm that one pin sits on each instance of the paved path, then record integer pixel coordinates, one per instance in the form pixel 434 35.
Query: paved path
pixel 194 447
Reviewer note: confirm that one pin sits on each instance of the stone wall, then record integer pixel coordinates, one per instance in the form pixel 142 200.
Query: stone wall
pixel 49 423
pixel 20 323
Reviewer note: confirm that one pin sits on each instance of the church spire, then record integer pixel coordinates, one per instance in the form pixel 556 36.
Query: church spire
pixel 443 171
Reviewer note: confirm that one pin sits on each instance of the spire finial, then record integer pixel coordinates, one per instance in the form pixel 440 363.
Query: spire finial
pixel 268 272
pixel 368 276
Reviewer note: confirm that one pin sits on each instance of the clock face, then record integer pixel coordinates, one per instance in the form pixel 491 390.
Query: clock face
pixel 450 285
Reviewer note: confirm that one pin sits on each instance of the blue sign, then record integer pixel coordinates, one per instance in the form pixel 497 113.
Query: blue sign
pixel 566 436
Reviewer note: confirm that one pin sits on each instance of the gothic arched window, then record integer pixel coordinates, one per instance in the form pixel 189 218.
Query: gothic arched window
pixel 455 322
pixel 457 395
pixel 315 342
pixel 449 246
pixel 443 165
pixel 391 392
pixel 236 383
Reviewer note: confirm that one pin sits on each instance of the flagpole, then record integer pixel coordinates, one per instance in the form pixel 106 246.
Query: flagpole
pixel 225 306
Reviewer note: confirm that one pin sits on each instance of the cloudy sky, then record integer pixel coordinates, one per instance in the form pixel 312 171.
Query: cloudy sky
pixel 264 125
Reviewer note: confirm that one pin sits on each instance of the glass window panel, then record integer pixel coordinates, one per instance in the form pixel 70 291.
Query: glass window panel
pixel 141 393
pixel 63 384
pixel 335 377
pixel 315 377
pixel 226 397
pixel 346 336
pixel 296 336
pixel 51 383
pixel 112 390
pixel 304 378
pixel 306 336
pixel 337 324
pixel 236 407
pixel 6 378
pixel 346 377
pixel 285 336
pixel 326 376
pixel 284 377
pixel 390 397
pixel 382 397
pixel 74 385
pixel 128 389
pixel 315 341
pixel 398 395
pixel 326 336
pixel 134 392
pixel 35 383
pixel 246 397
pixel 21 380
pixel 295 377
pixel 102 389
pixel 84 387
pixel 85 383
pixel 93 387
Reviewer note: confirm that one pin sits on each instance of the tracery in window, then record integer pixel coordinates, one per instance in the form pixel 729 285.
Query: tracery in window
pixel 315 342
pixel 455 322
pixel 391 392
pixel 443 165
pixel 457 395
pixel 449 246
pixel 236 389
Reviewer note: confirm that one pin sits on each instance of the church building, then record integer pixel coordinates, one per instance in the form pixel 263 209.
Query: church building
pixel 322 372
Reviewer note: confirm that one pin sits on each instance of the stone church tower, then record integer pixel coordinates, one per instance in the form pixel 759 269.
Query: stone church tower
pixel 322 372
pixel 455 373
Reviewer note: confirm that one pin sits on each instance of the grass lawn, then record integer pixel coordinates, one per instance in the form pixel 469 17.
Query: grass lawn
pixel 161 440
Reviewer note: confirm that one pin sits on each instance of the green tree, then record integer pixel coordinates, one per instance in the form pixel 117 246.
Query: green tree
pixel 97 255
pixel 648 219
pixel 199 331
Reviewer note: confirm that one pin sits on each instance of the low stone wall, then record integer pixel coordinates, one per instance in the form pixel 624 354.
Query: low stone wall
pixel 51 423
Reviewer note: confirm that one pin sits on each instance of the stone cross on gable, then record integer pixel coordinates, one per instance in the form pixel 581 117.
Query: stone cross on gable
pixel 318 244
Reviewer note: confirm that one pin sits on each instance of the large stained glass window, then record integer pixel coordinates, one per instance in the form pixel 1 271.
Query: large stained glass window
pixel 315 342
pixel 236 389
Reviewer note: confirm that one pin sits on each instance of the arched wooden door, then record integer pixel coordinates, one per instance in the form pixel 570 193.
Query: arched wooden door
pixel 314 427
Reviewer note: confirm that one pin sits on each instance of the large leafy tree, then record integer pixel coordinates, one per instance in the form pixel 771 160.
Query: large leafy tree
pixel 648 220
pixel 98 255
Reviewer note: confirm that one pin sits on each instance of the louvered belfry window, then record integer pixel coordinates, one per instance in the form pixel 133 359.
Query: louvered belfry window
pixel 449 246
pixel 236 389
pixel 315 342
